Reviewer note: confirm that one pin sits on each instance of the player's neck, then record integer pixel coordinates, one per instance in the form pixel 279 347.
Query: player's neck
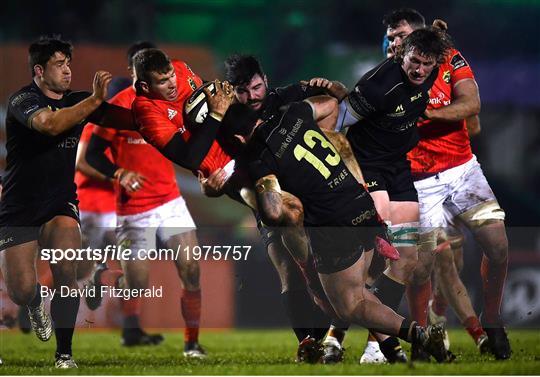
pixel 46 90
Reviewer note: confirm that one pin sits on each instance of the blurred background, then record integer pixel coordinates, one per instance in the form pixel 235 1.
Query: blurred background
pixel 297 40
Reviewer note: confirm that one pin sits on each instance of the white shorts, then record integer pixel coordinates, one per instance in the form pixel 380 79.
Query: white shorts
pixel 141 231
pixel 94 226
pixel 451 193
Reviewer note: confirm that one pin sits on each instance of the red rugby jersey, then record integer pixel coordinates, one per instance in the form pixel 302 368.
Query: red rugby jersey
pixel 130 151
pixel 160 120
pixel 443 145
pixel 94 196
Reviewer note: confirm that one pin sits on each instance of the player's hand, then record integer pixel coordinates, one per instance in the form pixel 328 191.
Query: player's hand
pixel 332 88
pixel 440 24
pixel 222 99
pixel 213 185
pixel 131 181
pixel 100 85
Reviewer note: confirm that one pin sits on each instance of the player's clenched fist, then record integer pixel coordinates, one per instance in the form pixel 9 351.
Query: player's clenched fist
pixel 100 84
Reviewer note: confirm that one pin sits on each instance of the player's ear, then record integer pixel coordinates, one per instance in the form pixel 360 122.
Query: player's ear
pixel 265 80
pixel 143 86
pixel 38 70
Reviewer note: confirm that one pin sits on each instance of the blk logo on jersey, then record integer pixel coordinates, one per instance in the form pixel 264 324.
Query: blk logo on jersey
pixel 171 113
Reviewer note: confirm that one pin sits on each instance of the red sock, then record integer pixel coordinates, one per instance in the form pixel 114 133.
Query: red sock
pixel 439 304
pixel 131 307
pixel 418 298
pixel 191 311
pixel 474 328
pixel 110 277
pixel 493 279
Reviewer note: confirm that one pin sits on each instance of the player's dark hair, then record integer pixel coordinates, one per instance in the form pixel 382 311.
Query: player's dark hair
pixel 240 69
pixel 136 47
pixel 44 48
pixel 150 60
pixel 240 119
pixel 429 41
pixel 412 16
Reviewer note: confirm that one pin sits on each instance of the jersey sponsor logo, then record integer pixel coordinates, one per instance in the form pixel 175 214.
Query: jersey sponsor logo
pixel 133 140
pixel 398 112
pixel 338 180
pixel 458 62
pixel 171 113
pixel 415 97
pixel 192 83
pixel 69 142
pixel 289 138
pixel 446 77
pixel 366 215
pixel 439 100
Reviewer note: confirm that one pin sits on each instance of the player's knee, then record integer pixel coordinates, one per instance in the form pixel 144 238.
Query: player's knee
pixel 190 274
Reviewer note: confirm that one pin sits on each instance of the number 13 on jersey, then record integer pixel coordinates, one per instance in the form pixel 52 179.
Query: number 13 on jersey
pixel 331 159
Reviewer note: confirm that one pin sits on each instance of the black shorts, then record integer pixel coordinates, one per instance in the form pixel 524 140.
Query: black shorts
pixel 395 178
pixel 339 244
pixel 21 226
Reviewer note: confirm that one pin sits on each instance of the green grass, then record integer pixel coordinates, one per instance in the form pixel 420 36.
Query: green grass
pixel 248 352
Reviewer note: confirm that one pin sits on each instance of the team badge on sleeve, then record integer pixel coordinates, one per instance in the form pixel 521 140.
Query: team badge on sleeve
pixel 458 62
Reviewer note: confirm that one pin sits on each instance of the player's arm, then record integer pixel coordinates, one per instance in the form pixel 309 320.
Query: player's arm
pixel 334 89
pixel 465 103
pixel 214 185
pixel 112 116
pixel 189 154
pixel 269 200
pixel 473 125
pixel 130 180
pixel 84 167
pixel 54 123
pixel 325 111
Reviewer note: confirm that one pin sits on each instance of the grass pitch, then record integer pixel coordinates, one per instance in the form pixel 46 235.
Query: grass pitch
pixel 248 352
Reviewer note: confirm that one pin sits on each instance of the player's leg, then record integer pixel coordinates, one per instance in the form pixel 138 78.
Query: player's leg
pixel 355 304
pixel 176 229
pixel 451 286
pixel 136 233
pixel 481 213
pixel 63 232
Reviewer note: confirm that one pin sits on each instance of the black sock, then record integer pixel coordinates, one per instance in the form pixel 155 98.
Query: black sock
pixel 299 308
pixel 406 330
pixel 131 322
pixel 389 291
pixel 64 314
pixel 36 301
pixel 389 347
pixel 321 323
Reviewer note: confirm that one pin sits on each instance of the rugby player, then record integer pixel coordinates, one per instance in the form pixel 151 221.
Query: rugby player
pixel 39 203
pixel 339 214
pixel 150 207
pixel 446 174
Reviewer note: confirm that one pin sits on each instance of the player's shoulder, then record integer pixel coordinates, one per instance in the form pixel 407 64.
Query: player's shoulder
pixel 455 60
pixel 74 97
pixel 125 97
pixel 26 92
pixel 182 67
pixel 381 80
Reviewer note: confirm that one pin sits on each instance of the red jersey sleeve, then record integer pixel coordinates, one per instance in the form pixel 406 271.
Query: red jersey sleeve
pixel 87 132
pixel 153 122
pixel 460 68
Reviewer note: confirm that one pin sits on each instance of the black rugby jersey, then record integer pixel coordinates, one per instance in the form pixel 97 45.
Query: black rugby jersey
pixel 291 146
pixel 40 168
pixel 390 107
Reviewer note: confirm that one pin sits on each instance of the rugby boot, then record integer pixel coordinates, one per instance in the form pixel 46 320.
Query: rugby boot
pixel 193 350
pixel 65 361
pixel 332 351
pixel 309 351
pixel 40 321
